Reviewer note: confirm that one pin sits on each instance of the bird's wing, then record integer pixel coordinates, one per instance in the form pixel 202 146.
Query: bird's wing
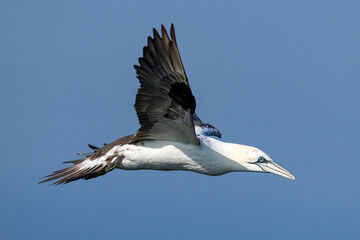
pixel 203 128
pixel 164 102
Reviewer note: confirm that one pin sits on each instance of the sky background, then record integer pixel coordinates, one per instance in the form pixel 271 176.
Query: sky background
pixel 283 76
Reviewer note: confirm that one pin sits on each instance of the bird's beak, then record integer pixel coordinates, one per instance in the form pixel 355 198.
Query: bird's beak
pixel 272 167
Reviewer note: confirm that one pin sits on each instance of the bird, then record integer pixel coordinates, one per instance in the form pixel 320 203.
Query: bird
pixel 171 135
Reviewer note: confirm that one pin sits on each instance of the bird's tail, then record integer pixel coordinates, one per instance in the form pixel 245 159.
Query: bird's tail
pixel 86 168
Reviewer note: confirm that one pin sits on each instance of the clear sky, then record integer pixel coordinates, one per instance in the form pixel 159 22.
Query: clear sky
pixel 283 76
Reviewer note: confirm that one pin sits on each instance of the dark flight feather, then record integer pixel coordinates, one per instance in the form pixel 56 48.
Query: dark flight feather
pixel 164 102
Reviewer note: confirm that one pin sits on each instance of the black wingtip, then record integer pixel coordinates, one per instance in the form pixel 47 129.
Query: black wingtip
pixel 163 28
pixel 149 42
pixel 172 32
pixel 156 34
pixel 93 147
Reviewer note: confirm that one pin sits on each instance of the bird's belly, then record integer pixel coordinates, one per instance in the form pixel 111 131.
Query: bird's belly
pixel 161 155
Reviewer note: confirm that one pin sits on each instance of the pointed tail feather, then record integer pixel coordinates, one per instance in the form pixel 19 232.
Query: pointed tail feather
pixel 83 169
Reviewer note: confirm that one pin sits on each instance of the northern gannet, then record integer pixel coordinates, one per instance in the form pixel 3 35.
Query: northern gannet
pixel 171 136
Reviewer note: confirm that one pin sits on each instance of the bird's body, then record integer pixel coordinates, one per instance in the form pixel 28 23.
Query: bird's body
pixel 172 136
pixel 209 157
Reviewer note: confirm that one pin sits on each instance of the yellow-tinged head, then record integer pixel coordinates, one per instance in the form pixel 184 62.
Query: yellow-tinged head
pixel 255 160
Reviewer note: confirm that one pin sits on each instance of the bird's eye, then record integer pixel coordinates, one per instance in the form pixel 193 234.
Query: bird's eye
pixel 261 159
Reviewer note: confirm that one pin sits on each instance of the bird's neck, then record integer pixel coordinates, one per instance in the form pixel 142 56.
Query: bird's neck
pixel 229 157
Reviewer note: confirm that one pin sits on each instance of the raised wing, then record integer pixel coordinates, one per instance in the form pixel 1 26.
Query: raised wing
pixel 164 103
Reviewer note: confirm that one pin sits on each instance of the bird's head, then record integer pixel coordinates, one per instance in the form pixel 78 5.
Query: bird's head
pixel 253 159
pixel 256 160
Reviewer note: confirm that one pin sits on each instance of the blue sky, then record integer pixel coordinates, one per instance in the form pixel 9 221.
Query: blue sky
pixel 283 76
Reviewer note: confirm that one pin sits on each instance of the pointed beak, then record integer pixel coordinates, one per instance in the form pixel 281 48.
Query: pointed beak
pixel 272 167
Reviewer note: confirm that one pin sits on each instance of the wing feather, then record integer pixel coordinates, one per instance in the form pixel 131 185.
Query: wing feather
pixel 164 102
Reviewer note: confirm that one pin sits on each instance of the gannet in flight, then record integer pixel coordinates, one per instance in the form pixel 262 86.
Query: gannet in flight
pixel 171 136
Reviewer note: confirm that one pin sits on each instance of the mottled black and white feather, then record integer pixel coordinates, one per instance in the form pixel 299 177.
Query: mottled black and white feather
pixel 95 164
pixel 206 129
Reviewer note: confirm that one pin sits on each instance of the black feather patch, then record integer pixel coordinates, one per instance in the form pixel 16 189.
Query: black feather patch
pixel 181 93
